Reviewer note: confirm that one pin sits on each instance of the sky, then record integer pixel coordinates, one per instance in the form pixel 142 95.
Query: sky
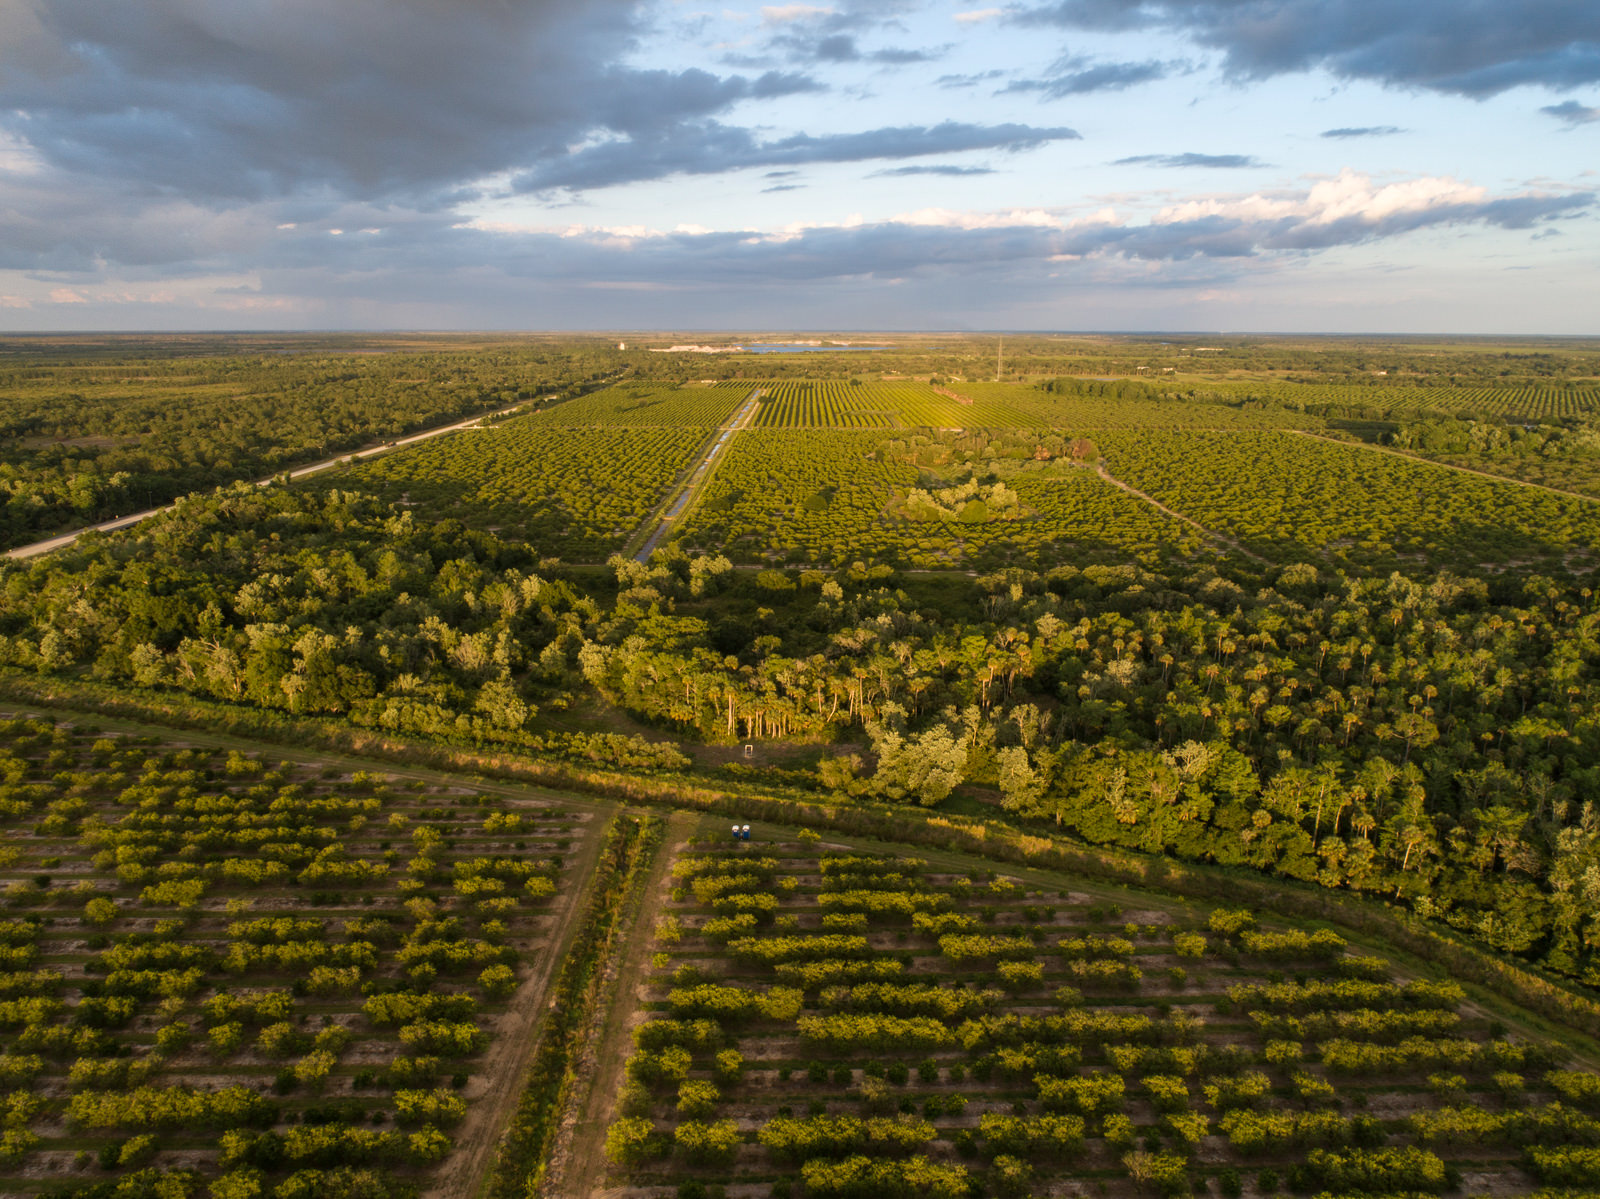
pixel 1427 166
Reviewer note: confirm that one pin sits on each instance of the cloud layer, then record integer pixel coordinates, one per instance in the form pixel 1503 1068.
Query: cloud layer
pixel 363 239
pixel 367 98
pixel 1470 49
pixel 1349 131
pixel 407 100
pixel 1572 114
pixel 1079 76
pixel 1227 162
pixel 255 155
pixel 711 148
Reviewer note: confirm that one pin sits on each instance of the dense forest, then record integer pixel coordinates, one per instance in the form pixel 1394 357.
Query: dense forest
pixel 1433 739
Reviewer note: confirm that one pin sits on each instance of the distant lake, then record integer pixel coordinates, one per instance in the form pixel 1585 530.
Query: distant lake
pixel 790 349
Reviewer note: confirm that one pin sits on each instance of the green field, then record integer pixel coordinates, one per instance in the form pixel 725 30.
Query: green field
pixel 699 407
pixel 834 498
pixel 831 471
pixel 89 432
pixel 836 404
pixel 1535 403
pixel 1295 498
pixel 574 493
pixel 1092 406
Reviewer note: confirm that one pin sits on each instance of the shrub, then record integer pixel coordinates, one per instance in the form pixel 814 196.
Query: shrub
pixel 697 1099
pixel 867 1178
pixel 1231 923
pixel 632 1140
pixel 100 911
pixel 707 1143
pixel 1166 1172
pixel 1189 945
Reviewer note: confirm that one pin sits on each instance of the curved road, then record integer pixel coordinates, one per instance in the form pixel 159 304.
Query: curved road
pixel 371 451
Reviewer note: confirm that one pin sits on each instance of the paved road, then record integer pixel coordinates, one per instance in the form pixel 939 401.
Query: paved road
pixel 122 522
pixel 740 420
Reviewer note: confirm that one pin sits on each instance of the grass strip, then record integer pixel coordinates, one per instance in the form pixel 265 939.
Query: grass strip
pixel 630 845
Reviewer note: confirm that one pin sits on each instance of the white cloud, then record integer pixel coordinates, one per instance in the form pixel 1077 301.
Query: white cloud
pixel 1351 196
pixel 1101 216
pixel 784 14
pixel 1259 220
pixel 623 233
pixel 945 218
pixel 17 157
pixel 977 15
pixel 612 234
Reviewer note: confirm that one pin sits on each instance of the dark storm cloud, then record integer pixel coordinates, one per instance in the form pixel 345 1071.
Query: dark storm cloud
pixel 1081 78
pixel 1467 47
pixel 1222 161
pixel 369 98
pixel 1572 113
pixel 938 169
pixel 708 148
pixel 1362 131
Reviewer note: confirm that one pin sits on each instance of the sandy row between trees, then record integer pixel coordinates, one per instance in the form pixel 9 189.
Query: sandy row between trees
pixel 578 1160
pixel 497 1081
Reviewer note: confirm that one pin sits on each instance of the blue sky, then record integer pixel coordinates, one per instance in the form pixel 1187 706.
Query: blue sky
pixel 1329 165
